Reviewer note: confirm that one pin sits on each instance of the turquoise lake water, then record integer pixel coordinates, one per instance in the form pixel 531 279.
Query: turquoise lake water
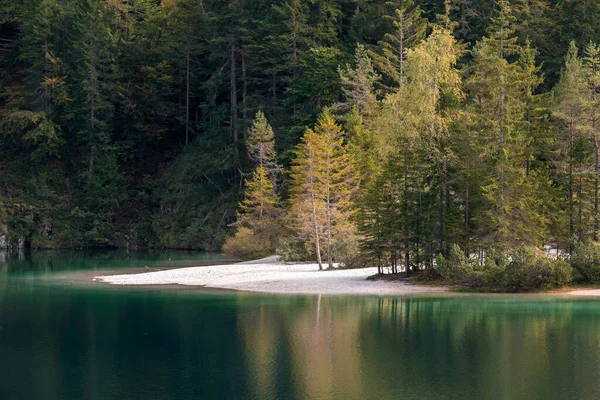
pixel 66 340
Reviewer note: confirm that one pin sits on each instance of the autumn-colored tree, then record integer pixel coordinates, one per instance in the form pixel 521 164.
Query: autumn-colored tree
pixel 323 183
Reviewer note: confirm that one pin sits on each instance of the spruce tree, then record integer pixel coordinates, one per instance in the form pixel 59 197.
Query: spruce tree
pixel 571 109
pixel 260 210
pixel 409 29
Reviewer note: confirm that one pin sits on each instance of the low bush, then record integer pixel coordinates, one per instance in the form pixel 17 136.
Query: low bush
pixel 245 244
pixel 457 268
pixel 528 269
pixel 586 260
pixel 532 269
pixel 494 269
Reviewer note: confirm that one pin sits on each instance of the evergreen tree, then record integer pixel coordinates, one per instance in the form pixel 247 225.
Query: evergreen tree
pixel 496 87
pixel 409 29
pixel 571 109
pixel 592 66
pixel 259 210
pixel 358 84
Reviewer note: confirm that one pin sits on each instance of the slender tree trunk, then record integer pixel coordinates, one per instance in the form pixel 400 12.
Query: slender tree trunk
pixel 92 128
pixel 234 106
pixel 328 191
pixel 467 204
pixel 501 130
pixel 419 216
pixel 501 136
pixel 187 99
pixel 580 210
pixel 244 94
pixel 441 209
pixel 402 50
pixel 406 216
pixel 315 219
pixel 295 47
pixel 571 185
pixel 596 184
pixel 316 224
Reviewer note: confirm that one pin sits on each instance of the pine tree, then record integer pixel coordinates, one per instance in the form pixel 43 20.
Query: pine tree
pixel 409 29
pixel 260 146
pixel 592 65
pixel 260 210
pixel 571 109
pixel 358 84
pixel 327 20
pixel 496 87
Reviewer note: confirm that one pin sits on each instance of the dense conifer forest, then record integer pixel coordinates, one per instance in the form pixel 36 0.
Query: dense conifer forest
pixel 407 133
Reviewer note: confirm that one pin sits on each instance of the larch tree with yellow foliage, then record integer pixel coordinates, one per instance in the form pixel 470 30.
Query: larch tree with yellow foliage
pixel 323 184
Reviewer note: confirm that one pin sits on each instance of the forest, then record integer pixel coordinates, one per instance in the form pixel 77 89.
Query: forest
pixel 460 136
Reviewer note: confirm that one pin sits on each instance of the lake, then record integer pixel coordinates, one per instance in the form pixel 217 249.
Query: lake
pixel 66 340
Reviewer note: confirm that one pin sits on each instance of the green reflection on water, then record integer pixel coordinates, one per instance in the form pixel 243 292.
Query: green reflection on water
pixel 60 342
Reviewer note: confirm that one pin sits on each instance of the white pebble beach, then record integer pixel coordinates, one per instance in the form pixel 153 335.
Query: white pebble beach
pixel 270 275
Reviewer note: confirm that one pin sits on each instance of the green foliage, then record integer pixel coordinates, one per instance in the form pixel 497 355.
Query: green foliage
pixel 130 123
pixel 586 260
pixel 456 268
pixel 530 269
pixel 527 269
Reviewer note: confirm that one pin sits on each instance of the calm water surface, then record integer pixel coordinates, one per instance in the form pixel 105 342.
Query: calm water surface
pixel 59 340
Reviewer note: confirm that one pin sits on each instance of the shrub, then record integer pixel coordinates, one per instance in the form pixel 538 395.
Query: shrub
pixel 456 268
pixel 528 269
pixel 292 248
pixel 531 269
pixel 345 249
pixel 586 260
pixel 494 269
pixel 245 244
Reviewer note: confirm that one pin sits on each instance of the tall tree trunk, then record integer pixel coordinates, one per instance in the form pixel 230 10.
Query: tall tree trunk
pixel 596 184
pixel 580 209
pixel 441 217
pixel 571 185
pixel 501 130
pixel 467 203
pixel 244 94
pixel 316 225
pixel 92 129
pixel 328 194
pixel 315 219
pixel 402 50
pixel 406 216
pixel 187 98
pixel 234 106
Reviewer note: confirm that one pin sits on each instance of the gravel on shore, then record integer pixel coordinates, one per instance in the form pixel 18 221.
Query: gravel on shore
pixel 270 275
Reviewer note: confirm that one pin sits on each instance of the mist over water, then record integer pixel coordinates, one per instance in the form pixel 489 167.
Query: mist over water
pixel 67 341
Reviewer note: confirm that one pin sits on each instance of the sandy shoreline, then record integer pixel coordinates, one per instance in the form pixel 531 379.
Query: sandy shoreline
pixel 269 275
